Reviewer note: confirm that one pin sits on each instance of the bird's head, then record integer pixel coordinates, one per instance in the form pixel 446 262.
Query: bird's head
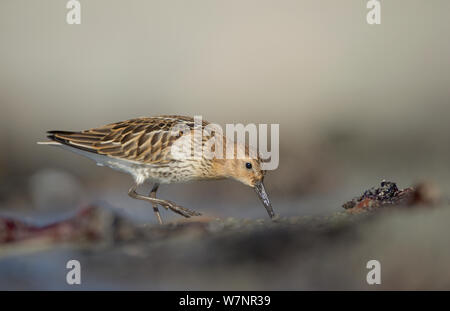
pixel 248 171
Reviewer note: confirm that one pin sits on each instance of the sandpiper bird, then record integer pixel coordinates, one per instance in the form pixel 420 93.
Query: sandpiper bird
pixel 142 148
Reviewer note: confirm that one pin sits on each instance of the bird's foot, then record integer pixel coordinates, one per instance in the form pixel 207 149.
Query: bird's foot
pixel 183 211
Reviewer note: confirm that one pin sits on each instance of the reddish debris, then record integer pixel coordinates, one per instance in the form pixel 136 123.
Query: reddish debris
pixel 81 226
pixel 389 195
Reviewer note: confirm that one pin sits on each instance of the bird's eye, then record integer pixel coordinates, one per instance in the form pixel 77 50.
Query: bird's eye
pixel 248 165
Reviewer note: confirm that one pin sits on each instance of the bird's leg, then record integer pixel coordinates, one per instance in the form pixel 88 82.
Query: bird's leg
pixel 155 206
pixel 164 203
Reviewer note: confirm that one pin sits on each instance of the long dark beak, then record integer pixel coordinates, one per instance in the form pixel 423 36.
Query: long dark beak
pixel 262 194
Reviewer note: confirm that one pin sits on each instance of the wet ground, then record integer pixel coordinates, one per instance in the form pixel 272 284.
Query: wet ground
pixel 316 243
pixel 327 250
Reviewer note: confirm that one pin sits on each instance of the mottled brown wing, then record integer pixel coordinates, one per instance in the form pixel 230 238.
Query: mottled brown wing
pixel 145 139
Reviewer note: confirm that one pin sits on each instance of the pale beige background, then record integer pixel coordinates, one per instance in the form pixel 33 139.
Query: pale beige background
pixel 370 100
pixel 355 103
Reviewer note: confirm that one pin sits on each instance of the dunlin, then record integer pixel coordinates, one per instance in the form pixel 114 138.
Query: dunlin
pixel 142 148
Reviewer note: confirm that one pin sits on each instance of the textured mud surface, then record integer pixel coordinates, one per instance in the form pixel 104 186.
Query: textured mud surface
pixel 323 252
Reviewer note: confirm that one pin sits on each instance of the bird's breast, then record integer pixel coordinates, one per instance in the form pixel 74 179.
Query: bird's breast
pixel 176 172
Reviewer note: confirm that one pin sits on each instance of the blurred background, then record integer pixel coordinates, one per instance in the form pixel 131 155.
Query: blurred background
pixel 356 103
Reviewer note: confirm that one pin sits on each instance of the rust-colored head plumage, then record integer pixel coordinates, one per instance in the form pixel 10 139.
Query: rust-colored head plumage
pixel 245 169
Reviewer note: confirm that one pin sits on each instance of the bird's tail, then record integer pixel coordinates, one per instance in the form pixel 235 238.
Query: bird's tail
pixel 54 140
pixel 54 143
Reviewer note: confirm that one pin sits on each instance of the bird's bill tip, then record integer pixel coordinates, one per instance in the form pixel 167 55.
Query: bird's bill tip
pixel 262 194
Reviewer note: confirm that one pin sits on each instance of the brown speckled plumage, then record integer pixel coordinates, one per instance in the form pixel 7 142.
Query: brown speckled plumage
pixel 147 140
pixel 142 147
